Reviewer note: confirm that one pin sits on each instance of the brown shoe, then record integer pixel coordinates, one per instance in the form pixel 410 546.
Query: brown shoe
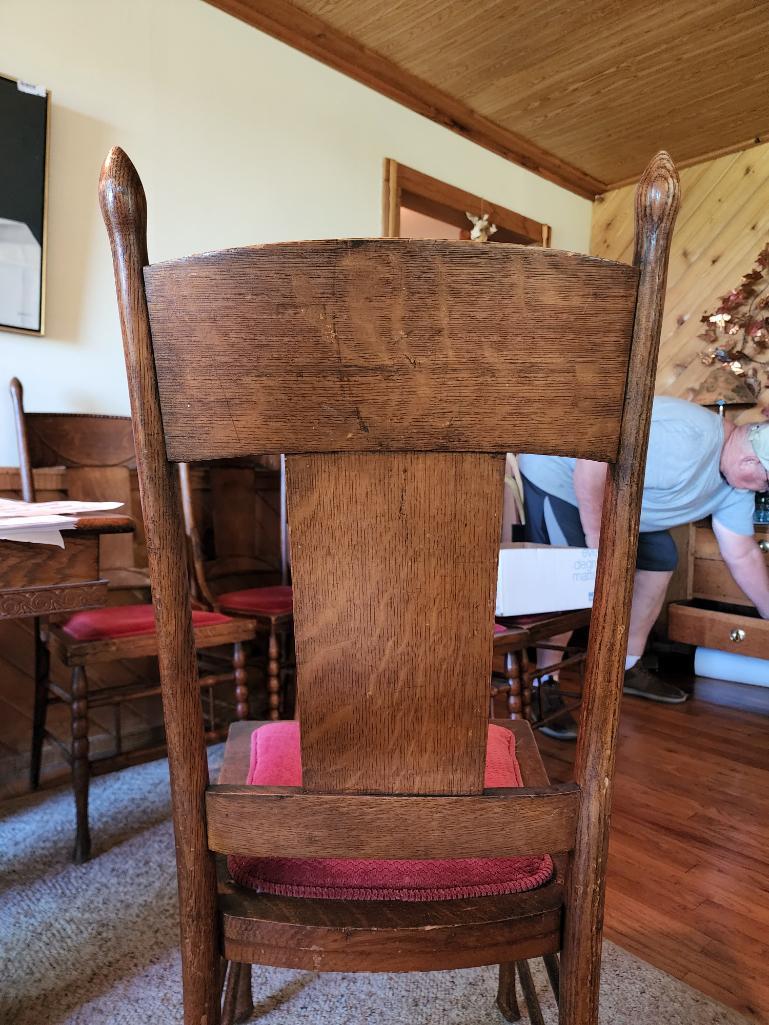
pixel 642 684
pixel 563 725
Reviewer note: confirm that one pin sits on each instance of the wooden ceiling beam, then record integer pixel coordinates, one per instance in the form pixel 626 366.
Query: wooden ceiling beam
pixel 314 37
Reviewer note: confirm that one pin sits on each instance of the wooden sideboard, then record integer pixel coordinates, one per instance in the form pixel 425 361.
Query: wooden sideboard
pixel 717 614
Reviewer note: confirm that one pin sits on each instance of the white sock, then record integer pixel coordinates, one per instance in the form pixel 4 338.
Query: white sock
pixel 630 661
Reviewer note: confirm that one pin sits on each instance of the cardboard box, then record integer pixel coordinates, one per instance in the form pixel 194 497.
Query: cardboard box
pixel 544 578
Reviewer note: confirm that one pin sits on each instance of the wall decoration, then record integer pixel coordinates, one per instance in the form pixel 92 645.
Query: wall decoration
pixel 737 331
pixel 24 119
pixel 482 227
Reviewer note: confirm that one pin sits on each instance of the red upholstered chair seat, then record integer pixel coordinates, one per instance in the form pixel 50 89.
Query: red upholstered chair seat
pixel 125 621
pixel 499 629
pixel 276 761
pixel 264 601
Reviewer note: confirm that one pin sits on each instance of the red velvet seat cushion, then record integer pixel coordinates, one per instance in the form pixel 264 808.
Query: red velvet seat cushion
pixel 276 761
pixel 500 629
pixel 125 621
pixel 255 601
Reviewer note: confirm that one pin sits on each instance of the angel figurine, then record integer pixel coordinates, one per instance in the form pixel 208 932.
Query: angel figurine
pixel 481 227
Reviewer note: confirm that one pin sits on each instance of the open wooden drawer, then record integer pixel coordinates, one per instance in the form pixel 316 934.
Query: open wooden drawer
pixel 712 624
pixel 709 577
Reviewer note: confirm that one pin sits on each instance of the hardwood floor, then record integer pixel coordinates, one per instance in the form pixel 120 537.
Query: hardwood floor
pixel 688 886
pixel 688 881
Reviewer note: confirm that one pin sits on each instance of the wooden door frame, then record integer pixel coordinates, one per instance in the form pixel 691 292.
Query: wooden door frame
pixel 435 198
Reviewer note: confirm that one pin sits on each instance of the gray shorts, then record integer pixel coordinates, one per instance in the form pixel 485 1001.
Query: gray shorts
pixel 547 517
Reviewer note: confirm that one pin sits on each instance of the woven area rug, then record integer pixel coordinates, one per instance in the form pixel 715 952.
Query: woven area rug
pixel 97 944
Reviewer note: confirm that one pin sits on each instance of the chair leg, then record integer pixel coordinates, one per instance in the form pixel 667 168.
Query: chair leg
pixel 553 974
pixel 525 670
pixel 273 674
pixel 244 1000
pixel 241 681
pixel 513 674
pixel 80 763
pixel 580 967
pixel 238 1004
pixel 507 999
pixel 42 672
pixel 230 993
pixel 530 994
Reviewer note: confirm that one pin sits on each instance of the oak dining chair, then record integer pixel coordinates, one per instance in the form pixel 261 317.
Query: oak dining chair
pixel 225 584
pixel 379 832
pixel 98 454
pixel 516 674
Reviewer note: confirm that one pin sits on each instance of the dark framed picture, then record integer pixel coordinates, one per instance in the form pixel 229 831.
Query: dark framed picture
pixel 24 120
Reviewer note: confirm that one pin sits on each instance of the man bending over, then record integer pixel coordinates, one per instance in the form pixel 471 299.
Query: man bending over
pixel 698 465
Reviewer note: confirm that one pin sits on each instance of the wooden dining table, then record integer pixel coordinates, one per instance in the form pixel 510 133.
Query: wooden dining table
pixel 42 579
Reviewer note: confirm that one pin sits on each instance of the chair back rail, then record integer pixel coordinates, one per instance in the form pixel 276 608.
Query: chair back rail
pixel 521 822
pixel 390 345
pixel 97 452
pixel 394 373
pixel 80 440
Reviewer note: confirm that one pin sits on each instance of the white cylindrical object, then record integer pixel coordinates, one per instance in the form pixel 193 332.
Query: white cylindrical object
pixel 726 665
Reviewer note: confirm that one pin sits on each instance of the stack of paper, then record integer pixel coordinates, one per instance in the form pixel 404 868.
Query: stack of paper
pixel 42 522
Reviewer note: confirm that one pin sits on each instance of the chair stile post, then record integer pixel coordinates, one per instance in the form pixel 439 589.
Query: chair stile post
pixel 25 467
pixel 124 211
pixel 657 201
pixel 42 663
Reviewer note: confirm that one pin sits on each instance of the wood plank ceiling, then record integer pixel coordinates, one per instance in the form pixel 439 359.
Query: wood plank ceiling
pixel 581 91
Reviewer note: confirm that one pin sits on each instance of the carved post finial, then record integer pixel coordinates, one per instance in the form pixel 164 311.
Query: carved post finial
pixel 121 198
pixel 657 201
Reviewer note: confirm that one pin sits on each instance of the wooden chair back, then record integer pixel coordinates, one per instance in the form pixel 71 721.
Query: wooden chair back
pixel 394 374
pixel 98 454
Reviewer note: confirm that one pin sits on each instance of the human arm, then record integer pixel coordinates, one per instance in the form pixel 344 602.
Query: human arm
pixel 589 485
pixel 746 563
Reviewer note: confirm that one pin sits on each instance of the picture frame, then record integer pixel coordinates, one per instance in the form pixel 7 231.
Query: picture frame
pixel 24 146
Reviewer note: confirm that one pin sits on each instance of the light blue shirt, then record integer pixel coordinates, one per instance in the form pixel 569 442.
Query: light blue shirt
pixel 682 483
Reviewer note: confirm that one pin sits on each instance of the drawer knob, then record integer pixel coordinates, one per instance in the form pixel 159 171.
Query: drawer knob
pixel 763 545
pixel 737 635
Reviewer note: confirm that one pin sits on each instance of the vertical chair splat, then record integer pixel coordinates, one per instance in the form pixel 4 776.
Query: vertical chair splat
pixel 426 527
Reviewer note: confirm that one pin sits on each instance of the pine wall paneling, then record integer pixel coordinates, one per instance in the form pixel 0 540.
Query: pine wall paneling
pixel 723 222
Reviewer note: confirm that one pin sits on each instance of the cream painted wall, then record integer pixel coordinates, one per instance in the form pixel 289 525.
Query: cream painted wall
pixel 238 139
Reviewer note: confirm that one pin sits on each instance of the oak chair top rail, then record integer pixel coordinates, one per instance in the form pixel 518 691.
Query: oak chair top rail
pixel 371 339
pixel 97 454
pixel 394 373
pixel 72 439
